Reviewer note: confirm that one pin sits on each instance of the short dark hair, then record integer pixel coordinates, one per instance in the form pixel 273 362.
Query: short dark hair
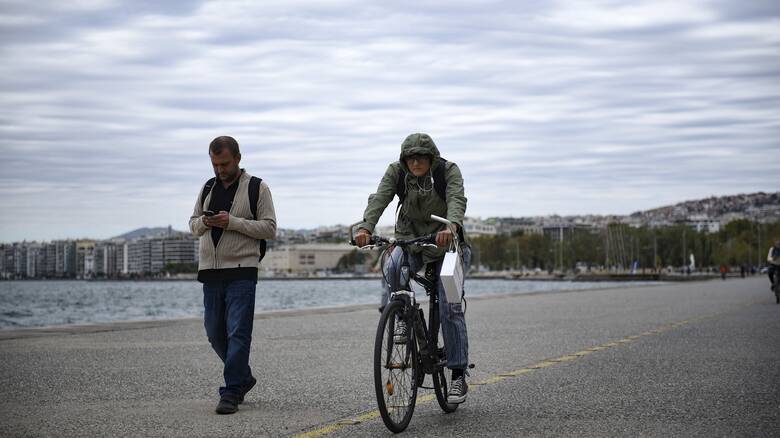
pixel 223 142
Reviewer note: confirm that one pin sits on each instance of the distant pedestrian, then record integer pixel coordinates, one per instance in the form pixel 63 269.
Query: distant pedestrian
pixel 742 270
pixel 773 262
pixel 723 271
pixel 233 213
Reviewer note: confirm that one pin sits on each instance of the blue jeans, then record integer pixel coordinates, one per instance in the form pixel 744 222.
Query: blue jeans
pixel 451 316
pixel 228 318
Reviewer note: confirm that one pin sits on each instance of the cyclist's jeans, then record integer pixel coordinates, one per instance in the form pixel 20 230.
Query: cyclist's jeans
pixel 228 317
pixel 773 271
pixel 453 321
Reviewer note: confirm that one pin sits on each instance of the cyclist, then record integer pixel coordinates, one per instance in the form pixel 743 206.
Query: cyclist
pixel 773 263
pixel 426 184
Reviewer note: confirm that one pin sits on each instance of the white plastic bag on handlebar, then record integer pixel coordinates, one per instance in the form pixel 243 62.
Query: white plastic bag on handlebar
pixel 452 275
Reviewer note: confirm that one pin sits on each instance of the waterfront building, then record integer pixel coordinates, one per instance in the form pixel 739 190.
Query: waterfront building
pixel 139 255
pixel 34 262
pixel 50 250
pixel 703 223
pixel 305 258
pixel 151 256
pixel 180 251
pixel 85 250
pixel 2 261
pixel 512 225
pixel 20 260
pixel 157 254
pixel 65 263
pixel 477 227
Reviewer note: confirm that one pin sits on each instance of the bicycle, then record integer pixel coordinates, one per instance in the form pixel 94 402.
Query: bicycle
pixel 400 365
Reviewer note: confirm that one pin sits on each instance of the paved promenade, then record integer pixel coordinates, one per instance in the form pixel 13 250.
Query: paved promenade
pixel 693 359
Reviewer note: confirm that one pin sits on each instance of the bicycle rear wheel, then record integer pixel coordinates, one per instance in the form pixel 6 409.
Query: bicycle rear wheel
pixel 395 369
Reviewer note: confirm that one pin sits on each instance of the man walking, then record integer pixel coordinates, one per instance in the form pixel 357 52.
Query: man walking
pixel 233 215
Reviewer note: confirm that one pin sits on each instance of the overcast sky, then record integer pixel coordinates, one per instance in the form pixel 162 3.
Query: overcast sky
pixel 606 107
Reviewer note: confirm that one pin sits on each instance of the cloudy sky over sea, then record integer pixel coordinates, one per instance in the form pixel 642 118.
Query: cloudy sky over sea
pixel 569 107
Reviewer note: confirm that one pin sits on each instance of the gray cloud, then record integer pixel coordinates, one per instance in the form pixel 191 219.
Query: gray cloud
pixel 107 107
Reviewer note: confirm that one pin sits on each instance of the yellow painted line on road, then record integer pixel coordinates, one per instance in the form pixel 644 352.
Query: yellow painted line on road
pixel 492 380
pixel 340 424
pixel 516 373
pixel 563 358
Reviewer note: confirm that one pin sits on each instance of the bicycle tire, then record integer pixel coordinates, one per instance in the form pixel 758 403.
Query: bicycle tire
pixel 395 370
pixel 441 388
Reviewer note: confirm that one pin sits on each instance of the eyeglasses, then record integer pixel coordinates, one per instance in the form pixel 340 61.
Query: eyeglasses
pixel 418 158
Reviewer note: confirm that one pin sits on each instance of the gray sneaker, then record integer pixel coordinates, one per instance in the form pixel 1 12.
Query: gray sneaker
pixel 458 390
pixel 399 333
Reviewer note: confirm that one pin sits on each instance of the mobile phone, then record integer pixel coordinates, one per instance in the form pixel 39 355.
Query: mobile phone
pixel 208 213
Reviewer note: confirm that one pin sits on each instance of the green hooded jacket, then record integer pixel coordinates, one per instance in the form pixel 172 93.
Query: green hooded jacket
pixel 421 199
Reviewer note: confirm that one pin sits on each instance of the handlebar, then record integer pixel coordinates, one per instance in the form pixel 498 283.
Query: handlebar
pixel 427 240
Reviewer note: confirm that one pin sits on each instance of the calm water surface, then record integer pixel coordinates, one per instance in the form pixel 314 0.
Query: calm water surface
pixel 42 303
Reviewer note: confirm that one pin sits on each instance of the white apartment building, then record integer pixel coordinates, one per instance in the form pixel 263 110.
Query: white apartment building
pixel 304 258
pixel 477 227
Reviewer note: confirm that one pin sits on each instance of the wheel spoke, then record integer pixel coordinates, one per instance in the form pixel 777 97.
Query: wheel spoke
pixel 394 369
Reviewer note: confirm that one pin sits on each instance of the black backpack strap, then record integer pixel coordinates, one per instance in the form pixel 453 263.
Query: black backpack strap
pixel 400 185
pixel 254 197
pixel 440 179
pixel 254 194
pixel 206 190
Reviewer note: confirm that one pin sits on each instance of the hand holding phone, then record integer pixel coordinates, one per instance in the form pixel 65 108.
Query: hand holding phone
pixel 208 213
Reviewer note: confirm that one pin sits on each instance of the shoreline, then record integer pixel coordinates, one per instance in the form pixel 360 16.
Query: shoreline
pixel 509 276
pixel 111 326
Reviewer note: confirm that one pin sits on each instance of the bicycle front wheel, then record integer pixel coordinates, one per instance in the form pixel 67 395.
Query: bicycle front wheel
pixel 395 368
pixel 440 386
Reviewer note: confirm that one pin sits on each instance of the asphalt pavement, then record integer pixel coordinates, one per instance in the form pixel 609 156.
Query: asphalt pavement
pixel 692 359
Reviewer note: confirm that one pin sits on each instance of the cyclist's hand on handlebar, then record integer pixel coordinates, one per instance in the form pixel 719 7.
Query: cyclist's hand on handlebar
pixel 362 238
pixel 443 238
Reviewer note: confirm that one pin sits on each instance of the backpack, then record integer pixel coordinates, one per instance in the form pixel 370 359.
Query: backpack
pixel 439 186
pixel 254 196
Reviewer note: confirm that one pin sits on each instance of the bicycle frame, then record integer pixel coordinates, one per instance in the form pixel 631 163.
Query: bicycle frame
pixel 402 361
pixel 425 334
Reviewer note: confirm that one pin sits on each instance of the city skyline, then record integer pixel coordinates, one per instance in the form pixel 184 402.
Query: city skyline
pixel 699 213
pixel 561 108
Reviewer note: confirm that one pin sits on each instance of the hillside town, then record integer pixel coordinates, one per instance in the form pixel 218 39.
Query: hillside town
pixel 166 253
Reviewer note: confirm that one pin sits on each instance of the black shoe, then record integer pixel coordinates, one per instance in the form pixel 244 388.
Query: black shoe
pixel 228 404
pixel 246 389
pixel 458 390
